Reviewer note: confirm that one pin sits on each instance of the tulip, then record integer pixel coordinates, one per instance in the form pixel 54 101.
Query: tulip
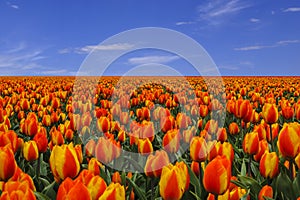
pixel 266 191
pixel 17 191
pixel 270 113
pixel 69 134
pixel 268 165
pixel 262 148
pixel 217 175
pixel 56 137
pixel 222 135
pixel 144 146
pixel 114 191
pixel 78 150
pixel 203 111
pixel 171 141
pixel 155 163
pixel 32 126
pixel 198 149
pixel 64 162
pixel 226 150
pixel 167 123
pixel 85 176
pixel 289 141
pixel 22 177
pixel 237 193
pixel 30 150
pixel 103 124
pixel 9 138
pixel 195 168
pixel 105 150
pixel 185 171
pixel 7 163
pixel 94 166
pixel 46 120
pixel 90 148
pixel 41 140
pixel 233 128
pixel 172 182
pixel 287 112
pixel 70 189
pixel 96 187
pixel 251 143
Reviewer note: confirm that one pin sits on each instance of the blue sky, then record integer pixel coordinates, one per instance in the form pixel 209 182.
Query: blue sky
pixel 242 37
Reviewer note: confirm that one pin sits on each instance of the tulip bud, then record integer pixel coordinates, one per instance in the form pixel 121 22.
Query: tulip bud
pixel 8 164
pixel 250 143
pixel 64 162
pixel 155 163
pixel 270 113
pixel 69 189
pixel 289 140
pixel 217 175
pixel 144 146
pixel 114 191
pixel 268 165
pixel 30 150
pixel 265 191
pixel 198 149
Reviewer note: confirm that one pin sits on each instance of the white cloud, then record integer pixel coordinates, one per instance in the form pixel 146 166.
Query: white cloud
pixel 247 48
pixel 110 47
pixel 14 6
pixel 54 72
pixel 152 59
pixel 277 44
pixel 288 42
pixel 254 20
pixel 184 23
pixel 292 9
pixel 213 11
pixel 88 48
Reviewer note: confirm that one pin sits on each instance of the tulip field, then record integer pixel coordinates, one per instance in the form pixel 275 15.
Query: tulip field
pixel 150 138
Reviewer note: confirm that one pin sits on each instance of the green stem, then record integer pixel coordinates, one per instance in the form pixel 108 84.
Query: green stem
pixel 216 197
pixel 38 170
pixel 291 169
pixel 200 173
pixel 249 165
pixel 152 188
pixel 271 139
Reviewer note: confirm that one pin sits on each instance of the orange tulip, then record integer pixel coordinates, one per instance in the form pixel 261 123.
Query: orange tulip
pixel 94 166
pixel 195 168
pixel 262 148
pixel 90 148
pixel 96 187
pixel 64 162
pixel 172 182
pixel 155 163
pixel 289 140
pixel 17 191
pixel 268 165
pixel 9 138
pixel 226 150
pixel 103 124
pixel 144 146
pixel 105 150
pixel 237 193
pixel 251 143
pixel 270 113
pixel 287 112
pixel 30 150
pixel 70 189
pixel 266 191
pixel 114 191
pixel 7 163
pixel 171 141
pixel 217 175
pixel 233 128
pixel 222 135
pixel 198 149
pixel 41 140
pixel 116 177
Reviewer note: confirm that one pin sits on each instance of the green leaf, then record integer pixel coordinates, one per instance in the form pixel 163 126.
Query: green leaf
pixel 49 191
pixel 243 168
pixel 195 182
pixel 296 185
pixel 105 176
pixel 140 193
pixel 284 185
pixel 44 182
pixel 41 196
pixel 251 184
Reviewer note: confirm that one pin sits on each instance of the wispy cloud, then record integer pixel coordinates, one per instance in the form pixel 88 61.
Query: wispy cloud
pixel 218 10
pixel 152 59
pixel 88 48
pixel 254 20
pixel 292 9
pixel 14 6
pixel 184 23
pixel 277 44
